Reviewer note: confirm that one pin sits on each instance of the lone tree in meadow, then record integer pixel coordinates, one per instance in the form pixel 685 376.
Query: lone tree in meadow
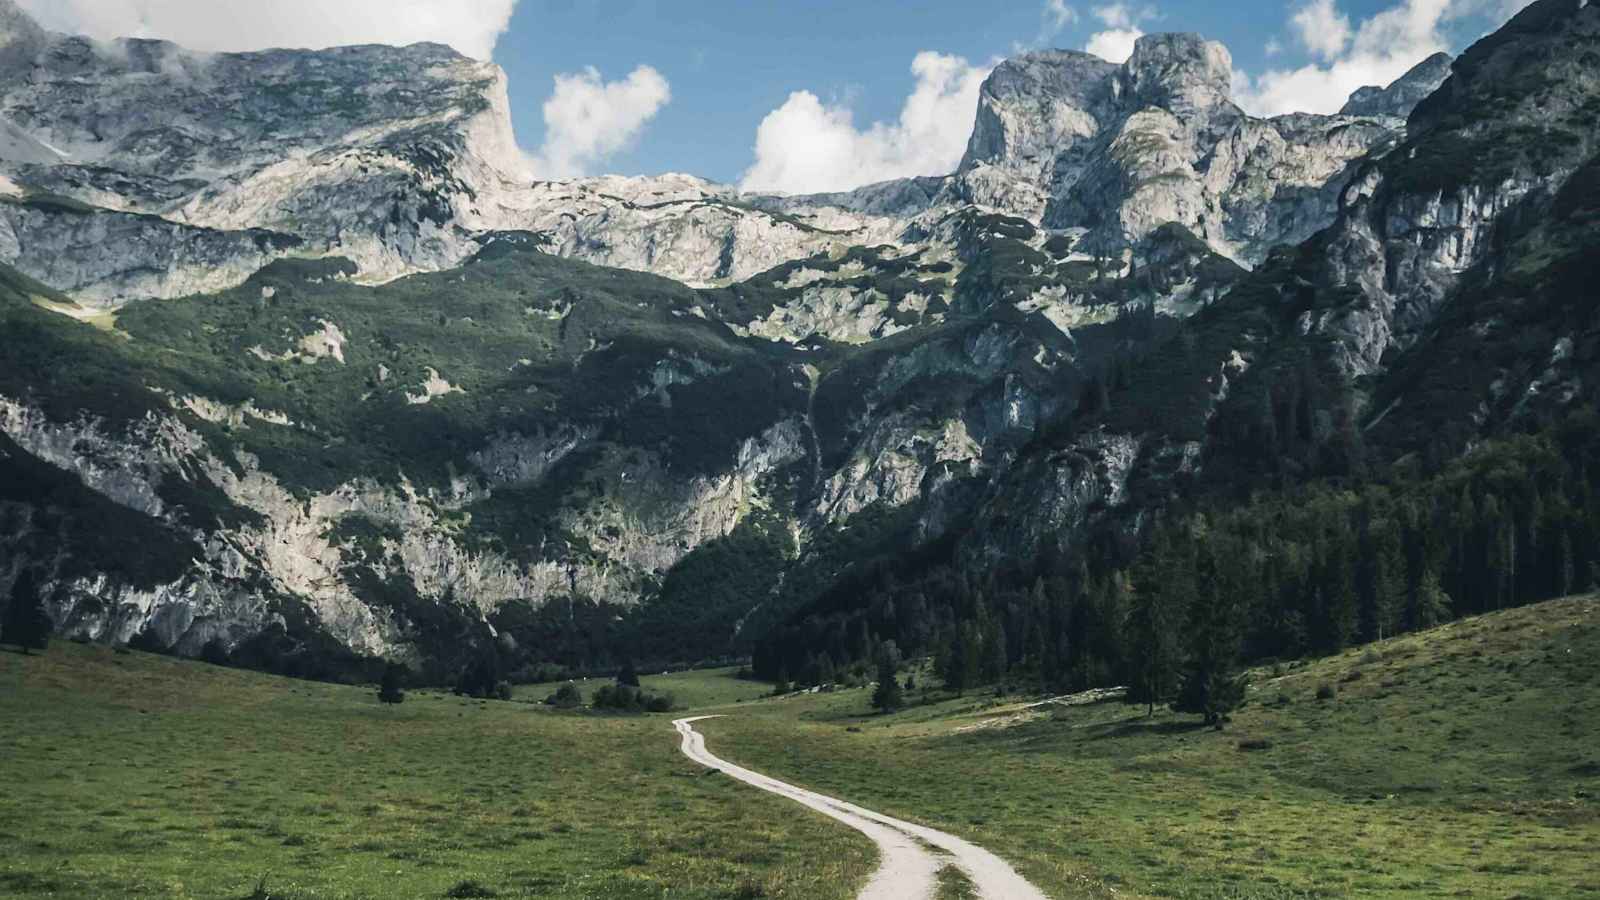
pixel 888 696
pixel 1210 685
pixel 390 690
pixel 628 677
pixel 26 624
pixel 1153 629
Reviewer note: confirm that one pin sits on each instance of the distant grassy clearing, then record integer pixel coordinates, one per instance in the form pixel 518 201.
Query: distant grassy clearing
pixel 128 775
pixel 105 320
pixel 694 690
pixel 1459 762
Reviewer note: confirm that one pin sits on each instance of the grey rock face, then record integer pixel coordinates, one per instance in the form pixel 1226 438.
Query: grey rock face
pixel 1068 140
pixel 137 169
pixel 1403 94
pixel 395 158
pixel 398 158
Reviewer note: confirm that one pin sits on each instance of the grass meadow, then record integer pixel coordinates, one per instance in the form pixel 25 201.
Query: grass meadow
pixel 1459 762
pixel 132 775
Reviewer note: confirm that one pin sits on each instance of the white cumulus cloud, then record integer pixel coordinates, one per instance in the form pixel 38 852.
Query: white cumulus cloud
pixel 1377 51
pixel 588 119
pixel 1115 43
pixel 1321 28
pixel 1057 15
pixel 1380 50
pixel 808 146
pixel 470 26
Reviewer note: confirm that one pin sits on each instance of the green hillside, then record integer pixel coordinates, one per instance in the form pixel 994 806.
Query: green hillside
pixel 1460 761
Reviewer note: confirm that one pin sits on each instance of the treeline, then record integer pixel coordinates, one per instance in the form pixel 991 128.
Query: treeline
pixel 1222 583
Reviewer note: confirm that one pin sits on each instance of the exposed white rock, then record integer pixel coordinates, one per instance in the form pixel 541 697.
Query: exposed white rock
pixel 402 159
pixel 234 416
pixel 326 342
pixel 647 521
pixel 433 388
pixel 893 464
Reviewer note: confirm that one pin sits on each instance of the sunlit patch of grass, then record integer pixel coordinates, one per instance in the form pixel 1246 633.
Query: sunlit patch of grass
pixel 1458 762
pixel 137 775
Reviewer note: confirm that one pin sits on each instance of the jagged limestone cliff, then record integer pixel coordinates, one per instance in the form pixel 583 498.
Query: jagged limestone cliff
pixel 1055 339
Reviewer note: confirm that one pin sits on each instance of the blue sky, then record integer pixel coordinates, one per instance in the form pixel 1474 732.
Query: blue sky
pixel 802 95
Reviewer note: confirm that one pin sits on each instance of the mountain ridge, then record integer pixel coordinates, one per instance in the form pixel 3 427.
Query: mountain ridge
pixel 589 458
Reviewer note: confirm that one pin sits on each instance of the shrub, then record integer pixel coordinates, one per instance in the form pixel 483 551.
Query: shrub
pixel 1326 691
pixel 622 698
pixel 215 652
pixel 1252 744
pixel 502 690
pixel 566 697
pixel 469 889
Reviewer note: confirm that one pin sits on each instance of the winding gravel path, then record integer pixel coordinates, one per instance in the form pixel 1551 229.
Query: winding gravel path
pixel 911 855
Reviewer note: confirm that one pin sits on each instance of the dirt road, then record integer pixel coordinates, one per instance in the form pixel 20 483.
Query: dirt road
pixel 911 855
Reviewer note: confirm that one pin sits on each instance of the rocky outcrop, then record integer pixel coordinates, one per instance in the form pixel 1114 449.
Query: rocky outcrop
pixel 398 159
pixel 292 546
pixel 1482 157
pixel 1402 95
pixel 1067 140
pixel 401 159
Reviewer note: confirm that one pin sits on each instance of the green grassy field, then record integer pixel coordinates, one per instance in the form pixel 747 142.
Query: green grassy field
pixel 130 775
pixel 697 690
pixel 1459 762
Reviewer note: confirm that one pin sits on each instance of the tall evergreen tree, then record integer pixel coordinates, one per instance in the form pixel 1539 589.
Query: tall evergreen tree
pixel 1390 586
pixel 1211 687
pixel 26 626
pixel 391 690
pixel 628 677
pixel 1433 605
pixel 995 662
pixel 1153 626
pixel 888 696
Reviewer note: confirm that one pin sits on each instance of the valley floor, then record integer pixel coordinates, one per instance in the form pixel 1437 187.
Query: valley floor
pixel 1459 762
pixel 1464 761
pixel 131 775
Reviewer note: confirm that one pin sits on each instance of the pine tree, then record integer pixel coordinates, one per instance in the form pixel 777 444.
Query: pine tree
pixel 1565 575
pixel 393 677
pixel 994 660
pixel 825 671
pixel 961 665
pixel 888 696
pixel 1153 628
pixel 1391 584
pixel 1210 685
pixel 628 677
pixel 1433 605
pixel 27 626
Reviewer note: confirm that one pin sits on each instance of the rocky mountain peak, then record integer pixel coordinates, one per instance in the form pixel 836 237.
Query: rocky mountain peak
pixel 20 35
pixel 1068 141
pixel 1404 93
pixel 1183 73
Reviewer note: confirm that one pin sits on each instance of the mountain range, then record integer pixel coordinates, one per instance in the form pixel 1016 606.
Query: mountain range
pixel 300 368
